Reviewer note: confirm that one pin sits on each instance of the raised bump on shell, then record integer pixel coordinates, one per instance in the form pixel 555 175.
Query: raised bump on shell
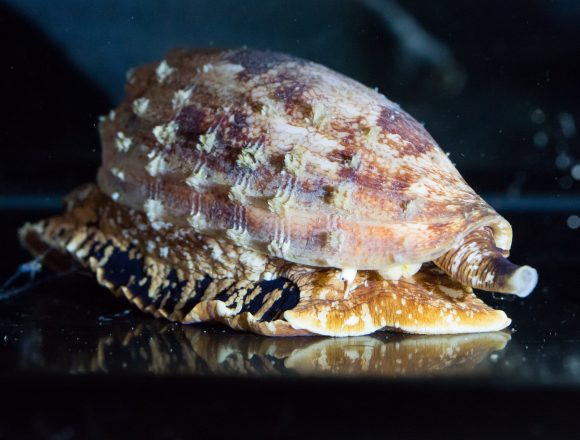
pixel 163 71
pixel 122 142
pixel 140 106
pixel 207 142
pixel 397 271
pixel 166 133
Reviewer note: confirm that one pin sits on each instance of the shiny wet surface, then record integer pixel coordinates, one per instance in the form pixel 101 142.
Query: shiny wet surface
pixel 67 324
pixel 68 348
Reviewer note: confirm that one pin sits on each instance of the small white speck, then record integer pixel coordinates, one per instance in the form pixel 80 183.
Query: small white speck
pixel 493 357
pixel 115 196
pixel 573 222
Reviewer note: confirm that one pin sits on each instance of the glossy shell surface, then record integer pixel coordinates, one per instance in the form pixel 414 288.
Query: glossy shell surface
pixel 288 158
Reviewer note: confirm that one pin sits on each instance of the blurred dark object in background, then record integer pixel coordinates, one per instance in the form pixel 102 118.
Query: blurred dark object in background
pixel 495 84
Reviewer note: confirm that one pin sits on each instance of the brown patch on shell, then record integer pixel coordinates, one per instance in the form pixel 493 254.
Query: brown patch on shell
pixel 395 121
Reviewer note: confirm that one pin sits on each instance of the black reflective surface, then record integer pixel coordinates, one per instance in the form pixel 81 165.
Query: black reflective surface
pixel 66 324
pixel 71 354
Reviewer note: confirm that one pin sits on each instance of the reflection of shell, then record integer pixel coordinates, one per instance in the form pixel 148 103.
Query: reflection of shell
pixel 398 356
pixel 166 349
pixel 249 187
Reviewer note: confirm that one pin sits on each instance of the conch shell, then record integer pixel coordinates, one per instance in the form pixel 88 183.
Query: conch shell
pixel 233 169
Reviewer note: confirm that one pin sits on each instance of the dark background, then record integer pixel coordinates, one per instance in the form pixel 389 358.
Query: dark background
pixel 497 83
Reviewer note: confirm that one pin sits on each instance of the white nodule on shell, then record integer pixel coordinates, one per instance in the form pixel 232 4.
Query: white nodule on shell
pixel 281 201
pixel 198 178
pixel 268 108
pixel 198 222
pixel 140 106
pixel 123 142
pixel 251 156
pixel 341 195
pixel 319 115
pixel 156 165
pixel 239 194
pixel 399 270
pixel 166 134
pixel 279 248
pixel 207 142
pixel 118 173
pixel 163 71
pixel 239 236
pixel 294 161
pixel 154 209
pixel 180 98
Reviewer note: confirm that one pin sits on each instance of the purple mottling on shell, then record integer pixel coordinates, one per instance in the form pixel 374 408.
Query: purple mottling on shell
pixel 290 92
pixel 192 122
pixel 238 125
pixel 396 121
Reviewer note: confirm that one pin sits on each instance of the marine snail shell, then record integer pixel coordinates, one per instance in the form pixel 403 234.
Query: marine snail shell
pixel 289 164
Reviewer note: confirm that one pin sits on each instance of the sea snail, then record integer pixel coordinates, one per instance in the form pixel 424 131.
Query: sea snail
pixel 277 196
